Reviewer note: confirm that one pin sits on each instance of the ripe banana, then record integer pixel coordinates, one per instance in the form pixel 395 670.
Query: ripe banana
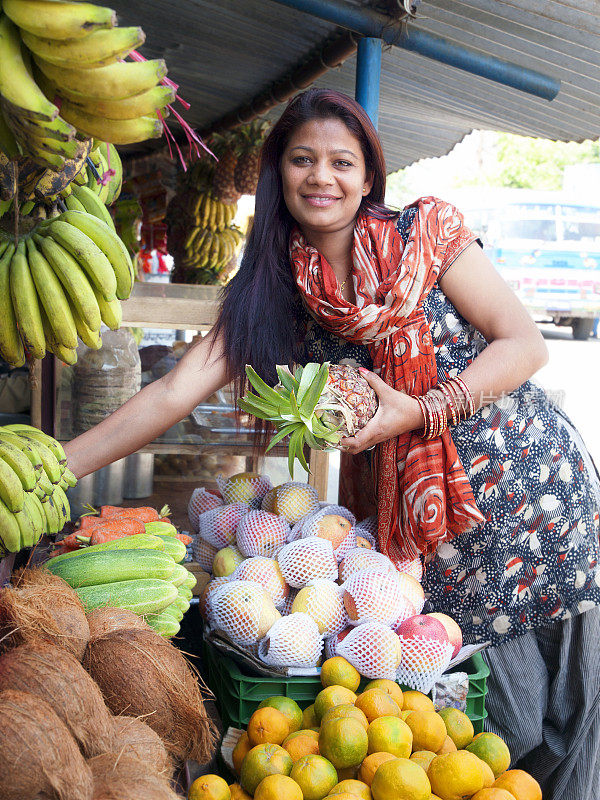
pixel 25 304
pixel 31 522
pixel 109 243
pixel 69 477
pixel 66 354
pixel 113 82
pixel 17 85
pixel 117 131
pixel 111 313
pixel 62 504
pixel 11 488
pixel 90 338
pixel 52 297
pixel 28 451
pixel 49 461
pixel 127 108
pixel 97 49
pixel 51 129
pixel 35 433
pixel 64 20
pixel 10 533
pixel 52 517
pixel 11 346
pixel 73 279
pixel 88 254
pixel 93 205
pixel 20 464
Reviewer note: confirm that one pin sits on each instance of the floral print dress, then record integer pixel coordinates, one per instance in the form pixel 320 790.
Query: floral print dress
pixel 536 558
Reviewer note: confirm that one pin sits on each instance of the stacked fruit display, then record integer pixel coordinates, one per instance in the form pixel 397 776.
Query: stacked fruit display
pixel 382 744
pixel 33 479
pixel 292 579
pixel 128 558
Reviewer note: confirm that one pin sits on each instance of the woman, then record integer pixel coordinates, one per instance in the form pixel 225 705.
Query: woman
pixel 330 273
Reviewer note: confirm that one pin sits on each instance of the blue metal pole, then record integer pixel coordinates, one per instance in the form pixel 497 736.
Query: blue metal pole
pixel 371 23
pixel 368 74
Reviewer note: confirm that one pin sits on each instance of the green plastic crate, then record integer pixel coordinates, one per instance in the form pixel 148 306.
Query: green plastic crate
pixel 238 694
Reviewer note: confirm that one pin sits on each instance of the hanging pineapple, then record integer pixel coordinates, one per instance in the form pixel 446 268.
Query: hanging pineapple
pixel 223 183
pixel 246 170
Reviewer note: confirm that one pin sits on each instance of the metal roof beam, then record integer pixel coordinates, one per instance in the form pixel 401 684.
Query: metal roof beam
pixel 369 22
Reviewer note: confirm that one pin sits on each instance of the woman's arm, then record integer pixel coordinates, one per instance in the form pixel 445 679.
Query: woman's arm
pixel 152 411
pixel 515 351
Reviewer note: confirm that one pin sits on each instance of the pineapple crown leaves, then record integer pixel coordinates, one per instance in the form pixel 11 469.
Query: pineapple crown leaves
pixel 293 408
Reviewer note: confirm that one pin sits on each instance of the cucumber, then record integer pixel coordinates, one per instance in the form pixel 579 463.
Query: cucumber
pixel 143 596
pixel 165 624
pixel 181 603
pixel 174 547
pixel 185 592
pixel 173 610
pixel 159 527
pixel 109 566
pixel 178 575
pixel 190 581
pixel 136 542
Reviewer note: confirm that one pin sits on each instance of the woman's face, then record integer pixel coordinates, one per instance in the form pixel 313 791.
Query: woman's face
pixel 324 176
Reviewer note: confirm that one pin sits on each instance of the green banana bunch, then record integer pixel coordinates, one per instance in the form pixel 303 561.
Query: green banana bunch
pixel 33 476
pixel 60 20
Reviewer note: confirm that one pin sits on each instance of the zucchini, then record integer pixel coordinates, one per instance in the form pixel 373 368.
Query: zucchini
pixel 136 542
pixel 165 624
pixel 161 528
pixel 178 574
pixel 174 547
pixel 143 596
pixel 109 566
pixel 190 581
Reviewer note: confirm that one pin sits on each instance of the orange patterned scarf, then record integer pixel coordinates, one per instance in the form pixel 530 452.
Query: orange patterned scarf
pixel 423 493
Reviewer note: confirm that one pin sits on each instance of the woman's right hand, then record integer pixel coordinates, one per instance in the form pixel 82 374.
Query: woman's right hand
pixel 153 410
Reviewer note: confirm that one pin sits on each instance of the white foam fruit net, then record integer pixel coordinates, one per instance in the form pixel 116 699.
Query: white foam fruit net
pixel 368 528
pixel 373 649
pixel 292 501
pixel 293 641
pixel 218 525
pixel 266 572
pixel 261 533
pixel 373 597
pixel 331 642
pixel 243 610
pixel 410 566
pixel 203 553
pixel 423 662
pixel 201 501
pixel 334 523
pixel 412 590
pixel 360 559
pixel 289 601
pixel 307 559
pixel 205 599
pixel 245 487
pixel 323 600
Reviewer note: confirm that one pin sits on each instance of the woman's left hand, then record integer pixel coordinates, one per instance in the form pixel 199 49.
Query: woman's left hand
pixel 397 413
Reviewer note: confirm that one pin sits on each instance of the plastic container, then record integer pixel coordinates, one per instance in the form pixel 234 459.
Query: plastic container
pixel 238 693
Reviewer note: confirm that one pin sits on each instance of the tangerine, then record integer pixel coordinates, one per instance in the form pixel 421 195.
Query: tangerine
pixel 493 794
pixel 303 745
pixel 416 701
pixel 352 787
pixel 268 726
pixel 428 729
pixel 447 747
pixel 371 764
pixel 302 732
pixel 309 718
pixel 209 787
pixel 337 671
pixel 263 760
pixel 315 775
pixel 519 783
pixel 391 687
pixel 423 758
pixel 493 750
pixel 401 779
pixel 344 742
pixel 240 751
pixel 376 703
pixel 488 775
pixel 455 776
pixel 458 726
pixel 390 735
pixel 330 697
pixel 278 787
pixel 237 793
pixel 345 711
pixel 288 707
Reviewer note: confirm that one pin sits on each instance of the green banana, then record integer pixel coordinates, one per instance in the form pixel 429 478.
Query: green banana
pixel 11 489
pixel 10 532
pixel 128 108
pixel 90 337
pixel 111 245
pixel 20 464
pixel 111 313
pixel 28 451
pixel 26 304
pixel 60 20
pixel 47 457
pixel 87 253
pixel 36 507
pixel 52 297
pixel 116 182
pixel 93 205
pixel 27 526
pixel 97 49
pixel 35 433
pixel 72 203
pixel 39 128
pixel 73 279
pixel 11 346
pixel 62 504
pixel 69 477
pixel 117 131
pixel 53 519
pixel 44 486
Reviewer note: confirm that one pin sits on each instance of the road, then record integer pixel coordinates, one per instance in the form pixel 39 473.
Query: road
pixel 572 375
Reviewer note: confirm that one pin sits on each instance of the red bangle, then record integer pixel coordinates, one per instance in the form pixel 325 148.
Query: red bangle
pixel 449 401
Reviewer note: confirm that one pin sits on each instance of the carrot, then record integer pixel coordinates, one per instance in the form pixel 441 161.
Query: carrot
pixel 144 513
pixel 116 529
pixel 70 542
pixel 183 538
pixel 88 522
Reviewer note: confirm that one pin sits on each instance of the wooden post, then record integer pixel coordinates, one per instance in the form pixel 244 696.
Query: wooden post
pixel 319 472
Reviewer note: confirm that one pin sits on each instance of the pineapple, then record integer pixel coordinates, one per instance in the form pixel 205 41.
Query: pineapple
pixel 246 169
pixel 318 405
pixel 223 184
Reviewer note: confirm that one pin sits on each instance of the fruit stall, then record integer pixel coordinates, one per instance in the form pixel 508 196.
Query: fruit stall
pixel 195 620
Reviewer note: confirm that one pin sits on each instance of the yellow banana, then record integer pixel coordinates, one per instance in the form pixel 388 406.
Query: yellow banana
pixel 111 313
pixel 97 49
pixel 49 461
pixel 6 437
pixel 11 488
pixel 56 128
pixel 205 210
pixel 51 515
pixel 11 346
pixel 52 297
pixel 90 338
pixel 10 533
pixel 32 432
pixel 17 85
pixel 93 205
pixel 31 524
pixel 97 266
pixel 62 504
pixel 107 240
pixel 61 20
pixel 122 131
pixel 20 464
pixel 26 305
pixel 127 108
pixel 73 279
pixel 67 355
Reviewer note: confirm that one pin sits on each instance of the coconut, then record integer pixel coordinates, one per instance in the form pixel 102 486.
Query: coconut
pixel 138 739
pixel 42 608
pixel 39 757
pixel 141 674
pixel 122 775
pixel 54 675
pixel 105 620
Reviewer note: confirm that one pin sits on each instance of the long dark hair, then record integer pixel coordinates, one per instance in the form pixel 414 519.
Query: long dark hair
pixel 256 318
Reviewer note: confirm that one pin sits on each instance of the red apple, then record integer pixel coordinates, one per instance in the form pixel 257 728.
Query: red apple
pixel 452 629
pixel 424 627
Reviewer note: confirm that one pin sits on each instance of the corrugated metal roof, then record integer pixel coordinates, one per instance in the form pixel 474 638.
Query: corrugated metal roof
pixel 225 52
